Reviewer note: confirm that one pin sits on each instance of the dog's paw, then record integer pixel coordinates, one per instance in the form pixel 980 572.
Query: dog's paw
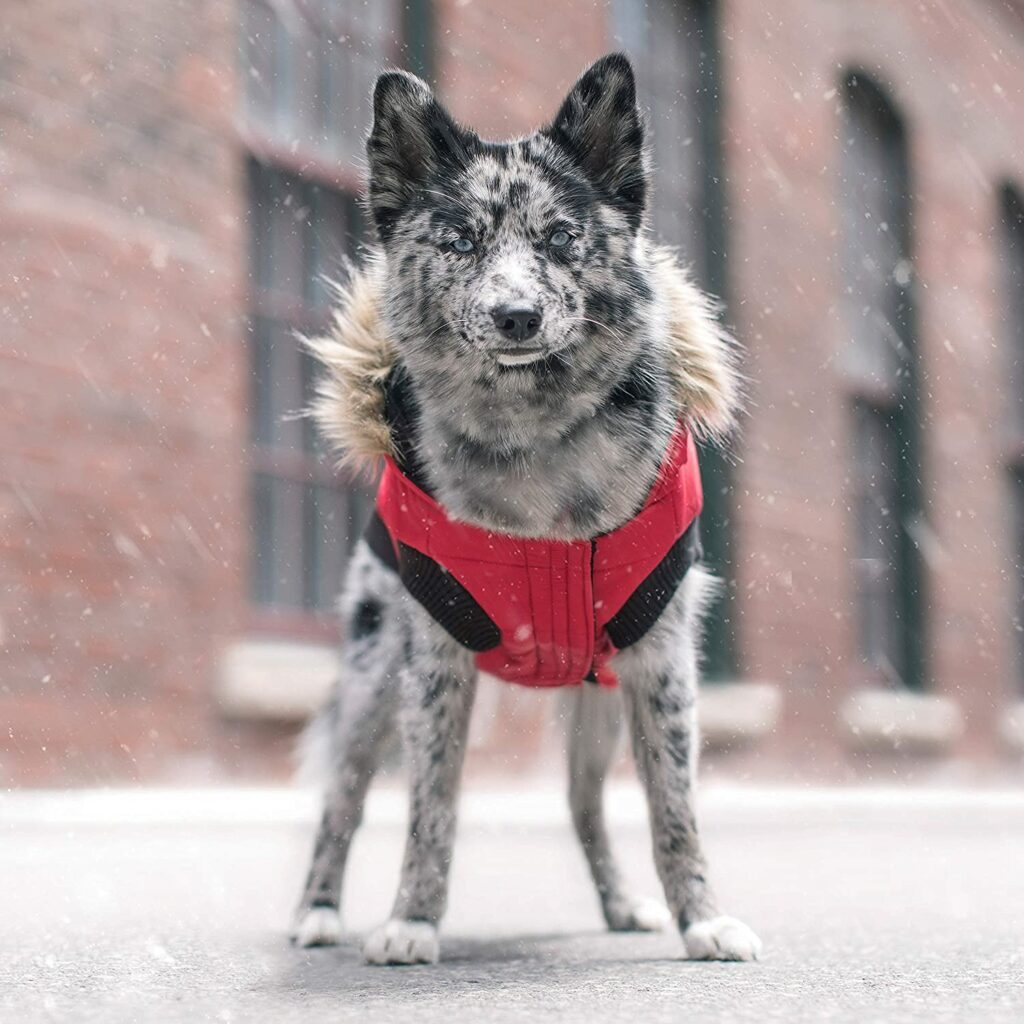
pixel 402 942
pixel 318 926
pixel 721 938
pixel 636 915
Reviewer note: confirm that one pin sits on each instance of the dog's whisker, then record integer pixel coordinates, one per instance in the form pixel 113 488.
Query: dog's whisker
pixel 597 323
pixel 461 203
pixel 446 326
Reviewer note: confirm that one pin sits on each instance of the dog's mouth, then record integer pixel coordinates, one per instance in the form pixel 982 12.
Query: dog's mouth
pixel 520 356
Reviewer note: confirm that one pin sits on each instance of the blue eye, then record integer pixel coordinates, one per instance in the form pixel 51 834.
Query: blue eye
pixel 559 238
pixel 463 245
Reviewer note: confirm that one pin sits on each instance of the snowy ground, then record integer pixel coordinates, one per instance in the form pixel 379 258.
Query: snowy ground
pixel 173 906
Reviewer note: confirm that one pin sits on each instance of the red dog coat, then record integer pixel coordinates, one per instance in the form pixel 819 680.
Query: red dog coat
pixel 544 612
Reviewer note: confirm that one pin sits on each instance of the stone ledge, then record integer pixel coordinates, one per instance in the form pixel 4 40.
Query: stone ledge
pixel 1011 727
pixel 901 721
pixel 275 680
pixel 733 714
pixel 286 681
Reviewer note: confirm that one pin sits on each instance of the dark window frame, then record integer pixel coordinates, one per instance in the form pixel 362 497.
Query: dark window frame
pixel 296 560
pixel 883 391
pixel 1011 249
pixel 710 263
pixel 302 475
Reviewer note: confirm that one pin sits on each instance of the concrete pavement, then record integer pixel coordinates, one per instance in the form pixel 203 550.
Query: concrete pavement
pixel 173 906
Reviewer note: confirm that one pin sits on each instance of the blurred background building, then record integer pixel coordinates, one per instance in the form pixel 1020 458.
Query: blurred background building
pixel 177 177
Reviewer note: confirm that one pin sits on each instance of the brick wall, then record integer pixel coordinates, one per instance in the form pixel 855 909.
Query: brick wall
pixel 956 72
pixel 123 508
pixel 122 384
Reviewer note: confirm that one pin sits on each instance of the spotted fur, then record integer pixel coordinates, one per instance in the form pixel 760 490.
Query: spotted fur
pixel 556 435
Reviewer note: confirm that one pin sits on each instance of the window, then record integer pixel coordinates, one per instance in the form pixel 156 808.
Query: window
pixel 673 47
pixel 301 232
pixel 308 68
pixel 1012 265
pixel 675 50
pixel 879 361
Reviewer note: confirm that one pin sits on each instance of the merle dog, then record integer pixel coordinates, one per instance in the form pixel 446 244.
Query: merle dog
pixel 520 346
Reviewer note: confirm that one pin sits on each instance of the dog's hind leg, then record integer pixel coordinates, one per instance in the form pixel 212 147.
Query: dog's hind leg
pixel 659 683
pixel 595 726
pixel 355 726
pixel 436 698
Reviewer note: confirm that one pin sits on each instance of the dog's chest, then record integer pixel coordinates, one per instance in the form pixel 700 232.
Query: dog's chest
pixel 573 488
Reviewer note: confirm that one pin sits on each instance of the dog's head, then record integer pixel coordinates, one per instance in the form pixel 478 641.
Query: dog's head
pixel 504 257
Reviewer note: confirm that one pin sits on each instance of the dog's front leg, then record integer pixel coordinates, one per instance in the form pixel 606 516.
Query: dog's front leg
pixel 659 681
pixel 595 725
pixel 436 698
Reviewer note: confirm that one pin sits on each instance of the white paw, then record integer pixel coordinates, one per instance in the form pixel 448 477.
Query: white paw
pixel 721 938
pixel 402 942
pixel 319 926
pixel 642 915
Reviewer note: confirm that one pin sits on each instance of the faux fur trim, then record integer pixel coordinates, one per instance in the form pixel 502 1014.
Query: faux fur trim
pixel 357 356
pixel 704 367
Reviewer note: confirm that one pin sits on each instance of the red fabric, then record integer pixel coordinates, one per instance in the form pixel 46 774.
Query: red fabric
pixel 550 599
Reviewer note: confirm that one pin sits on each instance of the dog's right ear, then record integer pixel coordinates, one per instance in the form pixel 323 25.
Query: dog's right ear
pixel 412 139
pixel 601 126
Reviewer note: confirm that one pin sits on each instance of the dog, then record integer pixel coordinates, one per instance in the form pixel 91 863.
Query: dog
pixel 532 370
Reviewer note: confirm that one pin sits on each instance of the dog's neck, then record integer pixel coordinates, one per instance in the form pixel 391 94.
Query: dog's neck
pixel 567 449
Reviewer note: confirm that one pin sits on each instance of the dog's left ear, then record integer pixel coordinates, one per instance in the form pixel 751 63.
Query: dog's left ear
pixel 413 138
pixel 602 127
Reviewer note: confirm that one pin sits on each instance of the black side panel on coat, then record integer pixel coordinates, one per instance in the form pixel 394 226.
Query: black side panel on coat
pixel 447 600
pixel 651 598
pixel 379 540
pixel 401 412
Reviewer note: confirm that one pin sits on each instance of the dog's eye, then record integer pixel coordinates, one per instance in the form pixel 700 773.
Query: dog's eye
pixel 559 238
pixel 463 245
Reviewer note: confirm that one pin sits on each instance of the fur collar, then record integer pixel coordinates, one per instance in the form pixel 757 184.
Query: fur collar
pixel 357 356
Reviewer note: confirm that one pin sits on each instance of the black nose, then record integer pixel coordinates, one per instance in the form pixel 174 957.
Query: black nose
pixel 517 323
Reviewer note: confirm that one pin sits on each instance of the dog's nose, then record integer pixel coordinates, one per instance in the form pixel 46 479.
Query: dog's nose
pixel 516 322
